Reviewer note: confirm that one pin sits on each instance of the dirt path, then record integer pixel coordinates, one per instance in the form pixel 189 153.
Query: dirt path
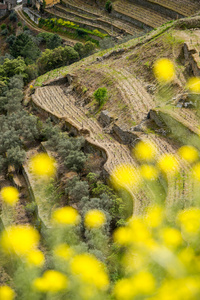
pixel 34 27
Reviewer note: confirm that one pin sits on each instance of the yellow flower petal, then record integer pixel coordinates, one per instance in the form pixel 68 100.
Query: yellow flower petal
pixel 19 239
pixel 6 293
pixel 193 85
pixel 43 165
pixel 10 195
pixel 145 151
pixel 188 153
pixel 66 216
pixel 164 70
pixel 94 218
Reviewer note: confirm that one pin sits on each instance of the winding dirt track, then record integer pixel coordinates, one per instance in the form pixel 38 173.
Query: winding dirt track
pixel 34 27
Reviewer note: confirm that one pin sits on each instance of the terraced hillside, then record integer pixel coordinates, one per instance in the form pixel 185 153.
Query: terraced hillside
pixel 131 17
pixel 128 77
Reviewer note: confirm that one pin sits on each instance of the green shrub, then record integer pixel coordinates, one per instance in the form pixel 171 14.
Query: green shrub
pixel 13 17
pixel 31 208
pixel 3 26
pixel 100 95
pixel 108 6
pixel 4 32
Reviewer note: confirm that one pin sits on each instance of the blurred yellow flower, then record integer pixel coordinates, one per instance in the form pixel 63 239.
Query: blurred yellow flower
pixel 35 258
pixel 145 151
pixel 6 293
pixel 134 260
pixel 140 232
pixel 164 70
pixel 64 251
pixel 193 85
pixel 168 164
pixel 66 216
pixel 94 218
pixel 43 165
pixel 148 172
pixel 51 281
pixel 90 270
pixel 171 237
pixel 186 256
pixel 154 216
pixel 128 288
pixel 196 171
pixel 125 176
pixel 10 195
pixel 179 289
pixel 31 86
pixel 123 289
pixel 143 283
pixel 123 236
pixel 19 239
pixel 190 220
pixel 188 153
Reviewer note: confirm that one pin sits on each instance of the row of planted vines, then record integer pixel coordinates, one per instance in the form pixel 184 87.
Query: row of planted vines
pixel 70 28
pixel 154 255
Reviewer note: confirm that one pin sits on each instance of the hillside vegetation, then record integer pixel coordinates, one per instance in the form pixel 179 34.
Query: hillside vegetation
pixel 102 155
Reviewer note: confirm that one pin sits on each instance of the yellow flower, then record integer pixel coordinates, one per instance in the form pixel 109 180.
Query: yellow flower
pixel 188 153
pixel 148 172
pixel 43 165
pixel 145 151
pixel 123 289
pixel 164 70
pixel 19 239
pixel 186 256
pixel 123 236
pixel 143 283
pixel 66 216
pixel 90 270
pixel 10 195
pixel 94 218
pixel 140 232
pixel 51 281
pixel 196 171
pixel 171 237
pixel 6 293
pixel 154 216
pixel 31 86
pixel 35 258
pixel 133 261
pixel 124 176
pixel 64 251
pixel 178 289
pixel 193 85
pixel 168 164
pixel 190 220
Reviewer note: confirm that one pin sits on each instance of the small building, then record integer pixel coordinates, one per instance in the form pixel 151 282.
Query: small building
pixel 3 9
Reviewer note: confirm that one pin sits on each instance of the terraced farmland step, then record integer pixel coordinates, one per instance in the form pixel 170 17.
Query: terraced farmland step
pixel 183 7
pixel 182 123
pixel 78 6
pixel 109 25
pixel 82 23
pixel 133 93
pixel 64 106
pixel 139 15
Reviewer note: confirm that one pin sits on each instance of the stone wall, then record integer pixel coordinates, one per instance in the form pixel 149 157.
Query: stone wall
pixel 130 20
pixel 160 9
pixel 125 135
pixel 192 67
pixel 32 15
